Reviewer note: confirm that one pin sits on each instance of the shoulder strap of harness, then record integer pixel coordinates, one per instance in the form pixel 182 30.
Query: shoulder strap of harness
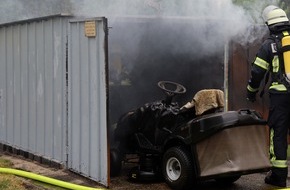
pixel 275 51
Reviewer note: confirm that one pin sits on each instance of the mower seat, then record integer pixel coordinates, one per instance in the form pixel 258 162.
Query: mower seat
pixel 205 101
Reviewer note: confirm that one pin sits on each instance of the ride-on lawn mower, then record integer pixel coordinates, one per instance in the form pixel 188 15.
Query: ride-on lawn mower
pixel 196 142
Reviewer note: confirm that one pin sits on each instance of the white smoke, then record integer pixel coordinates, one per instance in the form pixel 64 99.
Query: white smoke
pixel 169 37
pixel 194 29
pixel 15 10
pixel 230 20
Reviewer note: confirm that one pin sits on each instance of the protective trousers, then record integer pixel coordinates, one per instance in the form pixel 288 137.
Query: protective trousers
pixel 279 122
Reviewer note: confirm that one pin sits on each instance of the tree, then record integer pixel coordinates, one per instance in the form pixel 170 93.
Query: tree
pixel 253 6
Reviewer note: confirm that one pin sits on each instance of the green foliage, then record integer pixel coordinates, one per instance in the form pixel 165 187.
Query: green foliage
pixel 252 5
pixel 285 5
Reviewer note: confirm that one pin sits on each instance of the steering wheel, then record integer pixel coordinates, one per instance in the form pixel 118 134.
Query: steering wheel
pixel 171 89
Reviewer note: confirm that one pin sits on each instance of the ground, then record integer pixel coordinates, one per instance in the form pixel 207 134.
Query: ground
pixel 249 182
pixel 117 183
pixel 60 174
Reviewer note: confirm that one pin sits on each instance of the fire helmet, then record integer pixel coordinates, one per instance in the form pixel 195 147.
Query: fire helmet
pixel 273 15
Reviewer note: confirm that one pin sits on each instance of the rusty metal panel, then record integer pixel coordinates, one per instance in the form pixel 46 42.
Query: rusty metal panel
pixel 33 87
pixel 87 111
pixel 241 58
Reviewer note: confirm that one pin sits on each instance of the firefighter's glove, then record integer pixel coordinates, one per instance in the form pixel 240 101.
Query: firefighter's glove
pixel 251 96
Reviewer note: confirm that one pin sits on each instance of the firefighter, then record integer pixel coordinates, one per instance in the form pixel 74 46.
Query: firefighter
pixel 269 59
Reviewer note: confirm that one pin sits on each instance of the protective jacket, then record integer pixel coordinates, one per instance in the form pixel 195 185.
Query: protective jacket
pixel 269 59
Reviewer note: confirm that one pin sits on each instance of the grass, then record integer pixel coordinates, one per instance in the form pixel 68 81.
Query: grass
pixel 11 182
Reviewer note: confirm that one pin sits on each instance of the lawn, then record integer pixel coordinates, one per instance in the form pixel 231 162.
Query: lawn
pixel 11 182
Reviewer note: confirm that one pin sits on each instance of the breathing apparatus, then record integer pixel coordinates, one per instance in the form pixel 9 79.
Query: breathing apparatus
pixel 278 22
pixel 286 54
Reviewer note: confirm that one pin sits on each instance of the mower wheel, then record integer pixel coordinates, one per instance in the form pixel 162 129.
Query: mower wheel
pixel 177 168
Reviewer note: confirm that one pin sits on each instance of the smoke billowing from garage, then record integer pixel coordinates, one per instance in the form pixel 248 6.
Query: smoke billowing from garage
pixel 196 28
pixel 225 18
pixel 181 41
pixel 152 40
pixel 228 20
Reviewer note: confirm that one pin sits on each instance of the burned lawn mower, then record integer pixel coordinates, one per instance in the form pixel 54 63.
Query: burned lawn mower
pixel 196 142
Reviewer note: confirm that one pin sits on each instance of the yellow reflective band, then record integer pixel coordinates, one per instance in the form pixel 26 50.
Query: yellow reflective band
pixel 261 63
pixel 274 162
pixel 275 64
pixel 279 87
pixel 272 154
pixel 279 163
pixel 252 89
pixel 285 33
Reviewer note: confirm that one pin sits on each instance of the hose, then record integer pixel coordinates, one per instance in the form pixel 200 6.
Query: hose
pixel 47 180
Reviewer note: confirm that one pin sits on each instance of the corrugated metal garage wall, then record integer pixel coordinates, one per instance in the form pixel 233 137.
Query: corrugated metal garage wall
pixel 32 86
pixel 46 112
pixel 87 105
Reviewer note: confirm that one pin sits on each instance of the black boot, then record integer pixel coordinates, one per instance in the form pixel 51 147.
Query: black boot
pixel 277 180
